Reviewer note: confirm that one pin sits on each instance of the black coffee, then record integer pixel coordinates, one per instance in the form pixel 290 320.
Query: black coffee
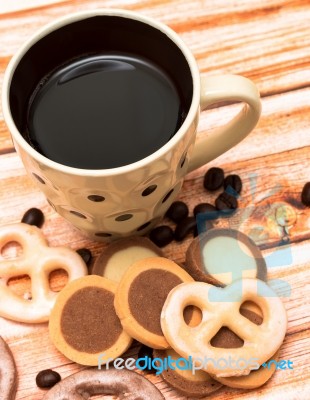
pixel 104 111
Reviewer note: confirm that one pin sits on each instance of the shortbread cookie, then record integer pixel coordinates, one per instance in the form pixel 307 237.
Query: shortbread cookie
pixel 119 255
pixel 198 384
pixel 124 384
pixel 221 256
pixel 83 324
pixel 8 374
pixel 141 294
pixel 220 308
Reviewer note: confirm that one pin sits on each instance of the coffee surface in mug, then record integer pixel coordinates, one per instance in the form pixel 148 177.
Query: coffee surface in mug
pixel 104 111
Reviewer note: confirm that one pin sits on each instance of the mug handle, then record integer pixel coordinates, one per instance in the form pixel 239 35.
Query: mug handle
pixel 226 88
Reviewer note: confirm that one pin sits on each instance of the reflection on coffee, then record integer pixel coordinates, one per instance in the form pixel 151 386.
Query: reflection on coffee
pixel 104 111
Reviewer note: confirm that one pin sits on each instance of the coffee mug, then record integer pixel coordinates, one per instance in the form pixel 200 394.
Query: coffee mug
pixel 124 183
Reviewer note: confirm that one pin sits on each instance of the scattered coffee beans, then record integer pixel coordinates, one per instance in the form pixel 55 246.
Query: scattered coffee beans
pixel 86 255
pixel 177 211
pixel 213 179
pixel 226 202
pixel 33 216
pixel 161 235
pixel 305 195
pixel 47 378
pixel 186 226
pixel 146 351
pixel 233 182
pixel 209 211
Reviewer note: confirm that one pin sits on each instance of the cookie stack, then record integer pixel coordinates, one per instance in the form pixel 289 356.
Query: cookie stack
pixel 214 322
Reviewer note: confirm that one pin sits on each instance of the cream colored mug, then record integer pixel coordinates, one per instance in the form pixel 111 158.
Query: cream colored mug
pixel 130 199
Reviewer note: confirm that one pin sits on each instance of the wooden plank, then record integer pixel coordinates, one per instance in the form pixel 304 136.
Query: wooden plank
pixel 6 144
pixel 16 5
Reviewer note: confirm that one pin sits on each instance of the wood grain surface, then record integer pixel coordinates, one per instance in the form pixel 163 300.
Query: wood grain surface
pixel 267 41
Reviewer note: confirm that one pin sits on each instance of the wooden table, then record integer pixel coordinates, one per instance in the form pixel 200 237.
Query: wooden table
pixel 267 41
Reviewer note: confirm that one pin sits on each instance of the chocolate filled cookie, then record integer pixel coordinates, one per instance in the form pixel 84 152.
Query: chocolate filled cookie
pixel 141 294
pixel 221 256
pixel 83 324
pixel 182 378
pixel 113 262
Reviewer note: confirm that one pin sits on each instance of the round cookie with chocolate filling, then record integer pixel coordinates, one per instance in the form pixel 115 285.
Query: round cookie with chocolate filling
pixel 119 255
pixel 221 256
pixel 141 295
pixel 8 374
pixel 83 322
pixel 124 384
pixel 182 378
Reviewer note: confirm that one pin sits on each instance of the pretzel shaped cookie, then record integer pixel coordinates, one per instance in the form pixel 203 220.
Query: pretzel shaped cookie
pixel 220 308
pixel 37 261
pixel 124 384
pixel 8 373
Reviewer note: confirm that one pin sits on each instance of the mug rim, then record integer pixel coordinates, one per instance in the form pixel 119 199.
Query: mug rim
pixel 78 16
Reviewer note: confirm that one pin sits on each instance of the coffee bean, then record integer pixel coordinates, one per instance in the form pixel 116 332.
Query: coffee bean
pixel 161 235
pixel 33 216
pixel 226 203
pixel 234 182
pixel 146 351
pixel 177 211
pixel 185 227
pixel 86 255
pixel 305 195
pixel 213 179
pixel 47 378
pixel 207 209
